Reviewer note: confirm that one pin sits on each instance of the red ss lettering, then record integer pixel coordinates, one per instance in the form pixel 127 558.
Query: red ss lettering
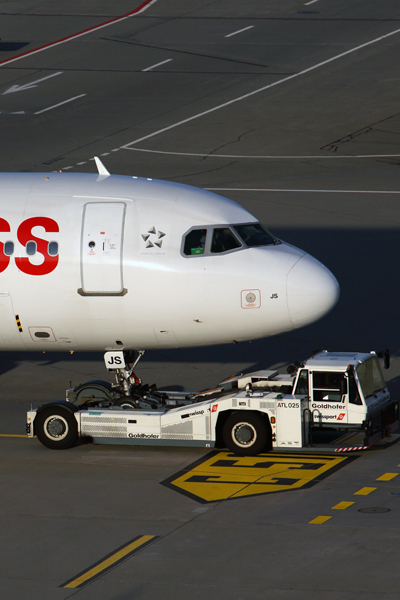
pixel 25 235
pixel 4 260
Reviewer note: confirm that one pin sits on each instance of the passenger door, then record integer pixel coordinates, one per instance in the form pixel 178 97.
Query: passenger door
pixel 101 249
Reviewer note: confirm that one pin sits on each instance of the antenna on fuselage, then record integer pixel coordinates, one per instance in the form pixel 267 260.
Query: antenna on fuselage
pixel 100 167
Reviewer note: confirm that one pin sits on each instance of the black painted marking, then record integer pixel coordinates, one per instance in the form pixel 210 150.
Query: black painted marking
pixel 18 323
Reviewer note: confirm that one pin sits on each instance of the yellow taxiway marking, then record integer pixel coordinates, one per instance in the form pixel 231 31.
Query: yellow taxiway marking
pixel 108 562
pixel 342 505
pixel 319 520
pixel 387 477
pixel 364 491
pixel 12 435
pixel 222 475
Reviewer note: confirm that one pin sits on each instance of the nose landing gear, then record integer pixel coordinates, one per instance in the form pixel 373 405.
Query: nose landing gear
pixel 125 378
pixel 127 391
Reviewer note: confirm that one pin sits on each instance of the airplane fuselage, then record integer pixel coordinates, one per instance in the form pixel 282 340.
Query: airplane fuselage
pixel 94 262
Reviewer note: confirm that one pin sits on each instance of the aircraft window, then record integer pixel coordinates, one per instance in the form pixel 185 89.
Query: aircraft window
pixel 195 242
pixel 31 248
pixel 223 240
pixel 253 234
pixel 9 248
pixel 53 249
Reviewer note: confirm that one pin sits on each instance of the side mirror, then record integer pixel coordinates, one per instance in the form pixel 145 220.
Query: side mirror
pixel 343 387
pixel 385 354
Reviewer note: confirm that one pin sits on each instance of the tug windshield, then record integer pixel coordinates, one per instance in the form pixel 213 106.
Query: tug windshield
pixel 370 377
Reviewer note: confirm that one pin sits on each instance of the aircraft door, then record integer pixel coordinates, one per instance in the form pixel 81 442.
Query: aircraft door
pixel 10 329
pixel 101 248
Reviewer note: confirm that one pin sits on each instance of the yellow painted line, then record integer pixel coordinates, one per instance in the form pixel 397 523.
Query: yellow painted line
pixel 109 561
pixel 320 520
pixel 12 435
pixel 364 491
pixel 387 477
pixel 342 505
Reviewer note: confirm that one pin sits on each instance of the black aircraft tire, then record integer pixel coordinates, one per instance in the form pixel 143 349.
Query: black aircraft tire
pixel 125 403
pixel 56 427
pixel 245 433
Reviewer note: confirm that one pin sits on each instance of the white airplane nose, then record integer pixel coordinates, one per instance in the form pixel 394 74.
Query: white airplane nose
pixel 312 291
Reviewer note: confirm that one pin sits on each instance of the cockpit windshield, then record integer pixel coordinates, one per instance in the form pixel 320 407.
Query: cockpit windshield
pixel 254 234
pixel 223 240
pixel 208 239
pixel 195 242
pixel 370 377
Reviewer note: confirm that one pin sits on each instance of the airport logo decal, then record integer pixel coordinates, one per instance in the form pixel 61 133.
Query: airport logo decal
pixel 225 476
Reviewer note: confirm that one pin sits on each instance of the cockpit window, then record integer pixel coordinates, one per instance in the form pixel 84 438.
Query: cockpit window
pixel 195 242
pixel 254 234
pixel 223 240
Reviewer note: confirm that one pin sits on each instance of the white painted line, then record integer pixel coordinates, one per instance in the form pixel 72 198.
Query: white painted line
pixel 141 8
pixel 59 104
pixel 116 150
pixel 82 163
pixel 305 191
pixel 157 65
pixel 28 86
pixel 312 2
pixel 271 85
pixel 65 168
pixel 105 154
pixel 240 31
pixel 266 156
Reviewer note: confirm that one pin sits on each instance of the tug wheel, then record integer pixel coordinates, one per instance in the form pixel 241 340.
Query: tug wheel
pixel 56 427
pixel 245 433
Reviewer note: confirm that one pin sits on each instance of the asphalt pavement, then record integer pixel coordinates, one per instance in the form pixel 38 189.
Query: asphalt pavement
pixel 290 109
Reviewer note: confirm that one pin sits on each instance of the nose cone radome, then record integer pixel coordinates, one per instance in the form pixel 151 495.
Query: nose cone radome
pixel 312 291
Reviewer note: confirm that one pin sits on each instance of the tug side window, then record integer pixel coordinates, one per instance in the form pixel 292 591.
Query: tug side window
pixel 195 242
pixel 302 383
pixel 326 386
pixel 354 395
pixel 223 240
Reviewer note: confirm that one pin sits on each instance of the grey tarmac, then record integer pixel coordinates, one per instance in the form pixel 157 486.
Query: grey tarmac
pixel 295 117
